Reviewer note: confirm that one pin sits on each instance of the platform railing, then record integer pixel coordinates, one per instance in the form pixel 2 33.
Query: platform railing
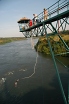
pixel 57 8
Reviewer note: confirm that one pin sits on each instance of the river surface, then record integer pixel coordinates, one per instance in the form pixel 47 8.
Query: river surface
pixel 35 74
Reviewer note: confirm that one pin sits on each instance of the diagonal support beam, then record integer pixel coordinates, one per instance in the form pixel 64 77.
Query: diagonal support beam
pixel 58 76
pixel 66 20
pixel 54 29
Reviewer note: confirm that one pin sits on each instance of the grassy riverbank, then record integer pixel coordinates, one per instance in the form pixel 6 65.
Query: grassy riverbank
pixel 11 39
pixel 57 45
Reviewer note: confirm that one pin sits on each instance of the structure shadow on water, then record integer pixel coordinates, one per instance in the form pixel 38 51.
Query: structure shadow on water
pixel 40 95
pixel 41 88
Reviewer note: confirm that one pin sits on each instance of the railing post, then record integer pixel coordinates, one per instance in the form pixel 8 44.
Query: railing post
pixel 58 14
pixel 68 5
pixel 43 16
pixel 49 13
pixel 58 7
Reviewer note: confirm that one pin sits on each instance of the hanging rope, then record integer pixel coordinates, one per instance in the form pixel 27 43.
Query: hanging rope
pixel 32 44
pixel 34 68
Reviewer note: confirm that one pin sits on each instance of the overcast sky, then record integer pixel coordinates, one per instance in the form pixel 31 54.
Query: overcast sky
pixel 12 10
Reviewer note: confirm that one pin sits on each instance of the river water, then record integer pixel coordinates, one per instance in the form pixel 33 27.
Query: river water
pixel 35 75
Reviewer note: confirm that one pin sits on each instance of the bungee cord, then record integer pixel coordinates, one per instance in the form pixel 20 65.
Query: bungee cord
pixel 32 44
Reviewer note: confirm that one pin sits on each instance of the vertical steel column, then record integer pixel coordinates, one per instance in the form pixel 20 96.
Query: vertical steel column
pixel 42 30
pixel 56 68
pixel 37 32
pixel 68 90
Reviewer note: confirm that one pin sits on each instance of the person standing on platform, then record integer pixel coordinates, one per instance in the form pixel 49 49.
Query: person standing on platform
pixel 30 23
pixel 35 19
pixel 45 14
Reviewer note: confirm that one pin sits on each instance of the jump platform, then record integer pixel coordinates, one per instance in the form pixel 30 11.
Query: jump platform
pixel 48 21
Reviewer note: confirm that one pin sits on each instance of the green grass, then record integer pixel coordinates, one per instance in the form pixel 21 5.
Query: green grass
pixel 56 44
pixel 7 40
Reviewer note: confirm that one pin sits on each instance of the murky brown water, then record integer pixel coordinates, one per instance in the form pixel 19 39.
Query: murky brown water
pixel 17 60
